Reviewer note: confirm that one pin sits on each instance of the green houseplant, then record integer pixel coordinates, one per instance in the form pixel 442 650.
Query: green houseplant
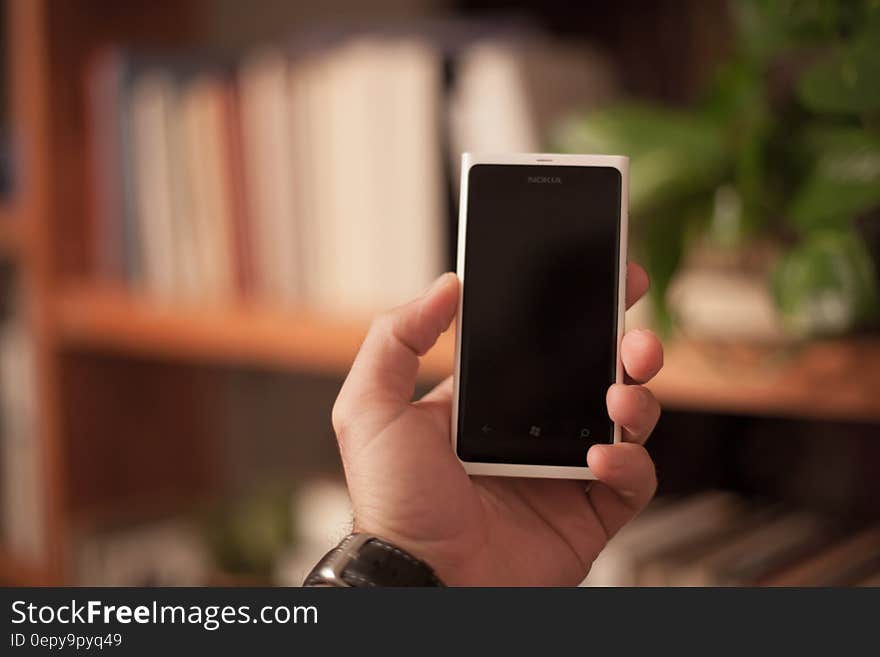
pixel 784 148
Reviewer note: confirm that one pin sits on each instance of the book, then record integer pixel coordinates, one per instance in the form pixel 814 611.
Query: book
pixel 720 539
pixel 348 238
pixel 206 169
pixel 268 174
pixel 165 553
pixel 663 566
pixel 321 519
pixel 115 252
pixel 770 534
pixel 237 199
pixel 830 567
pixel 307 165
pixel 489 110
pixel 512 90
pixel 21 483
pixel 149 107
pixel 412 243
pixel 314 174
pixel 669 527
pixel 872 581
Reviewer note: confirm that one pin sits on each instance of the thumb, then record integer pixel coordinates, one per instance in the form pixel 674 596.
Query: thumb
pixel 385 368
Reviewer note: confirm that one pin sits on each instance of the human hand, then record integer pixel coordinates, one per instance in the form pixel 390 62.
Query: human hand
pixel 407 485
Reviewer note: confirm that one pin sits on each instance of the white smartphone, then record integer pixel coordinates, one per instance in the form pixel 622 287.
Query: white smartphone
pixel 542 241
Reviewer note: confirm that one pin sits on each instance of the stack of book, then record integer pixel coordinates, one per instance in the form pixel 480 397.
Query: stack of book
pixel 21 508
pixel 164 553
pixel 321 518
pixel 315 174
pixel 719 539
pixel 311 179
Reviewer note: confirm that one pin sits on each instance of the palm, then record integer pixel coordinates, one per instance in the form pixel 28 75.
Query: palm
pixel 535 530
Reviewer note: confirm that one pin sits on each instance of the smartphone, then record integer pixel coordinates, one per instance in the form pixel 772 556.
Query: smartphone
pixel 542 262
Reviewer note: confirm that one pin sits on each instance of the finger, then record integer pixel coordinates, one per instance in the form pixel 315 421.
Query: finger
pixel 437 403
pixel 637 283
pixel 385 368
pixel 626 483
pixel 634 408
pixel 642 355
pixel 442 392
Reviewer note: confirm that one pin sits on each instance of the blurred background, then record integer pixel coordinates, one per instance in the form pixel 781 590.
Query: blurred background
pixel 202 202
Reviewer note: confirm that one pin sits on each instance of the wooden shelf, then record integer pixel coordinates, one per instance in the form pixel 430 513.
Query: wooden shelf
pixel 110 321
pixel 11 235
pixel 834 379
pixel 831 380
pixel 16 572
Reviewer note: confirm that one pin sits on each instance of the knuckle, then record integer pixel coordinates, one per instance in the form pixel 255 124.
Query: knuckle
pixel 658 345
pixel 650 400
pixel 339 417
pixel 654 412
pixel 384 323
pixel 650 472
pixel 652 482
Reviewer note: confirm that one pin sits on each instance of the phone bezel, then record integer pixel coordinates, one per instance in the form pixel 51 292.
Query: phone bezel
pixel 468 160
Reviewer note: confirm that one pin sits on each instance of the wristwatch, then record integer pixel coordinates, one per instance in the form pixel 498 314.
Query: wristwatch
pixel 364 560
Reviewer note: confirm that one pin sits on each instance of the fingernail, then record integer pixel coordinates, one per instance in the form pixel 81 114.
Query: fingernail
pixel 614 458
pixel 437 283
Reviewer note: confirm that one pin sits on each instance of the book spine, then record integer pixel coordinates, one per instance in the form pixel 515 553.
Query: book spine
pixel 308 181
pixel 241 247
pixel 151 97
pixel 106 161
pixel 21 483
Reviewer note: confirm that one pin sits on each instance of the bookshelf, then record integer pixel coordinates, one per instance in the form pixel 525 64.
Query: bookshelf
pixel 43 226
pixel 85 335
pixel 23 224
pixel 824 380
pixel 17 572
pixel 821 380
pixel 108 320
pixel 11 238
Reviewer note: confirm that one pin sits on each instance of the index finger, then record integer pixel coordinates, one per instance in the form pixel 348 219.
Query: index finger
pixel 637 283
pixel 385 368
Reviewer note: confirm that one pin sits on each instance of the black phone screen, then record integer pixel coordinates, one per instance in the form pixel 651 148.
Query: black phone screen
pixel 539 317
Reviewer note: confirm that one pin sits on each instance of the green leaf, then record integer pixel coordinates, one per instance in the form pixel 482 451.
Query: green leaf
pixel 844 182
pixel 662 247
pixel 827 284
pixel 767 27
pixel 672 154
pixel 736 93
pixel 847 81
pixel 827 203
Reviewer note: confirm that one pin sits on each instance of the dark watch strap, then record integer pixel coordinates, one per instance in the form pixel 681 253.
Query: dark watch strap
pixel 364 560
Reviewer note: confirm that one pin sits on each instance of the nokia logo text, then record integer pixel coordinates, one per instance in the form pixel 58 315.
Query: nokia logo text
pixel 552 180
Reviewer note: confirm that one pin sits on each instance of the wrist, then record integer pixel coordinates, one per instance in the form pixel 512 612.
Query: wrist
pixel 454 564
pixel 365 560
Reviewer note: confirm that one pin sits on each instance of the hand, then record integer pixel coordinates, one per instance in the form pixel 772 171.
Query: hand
pixel 407 486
